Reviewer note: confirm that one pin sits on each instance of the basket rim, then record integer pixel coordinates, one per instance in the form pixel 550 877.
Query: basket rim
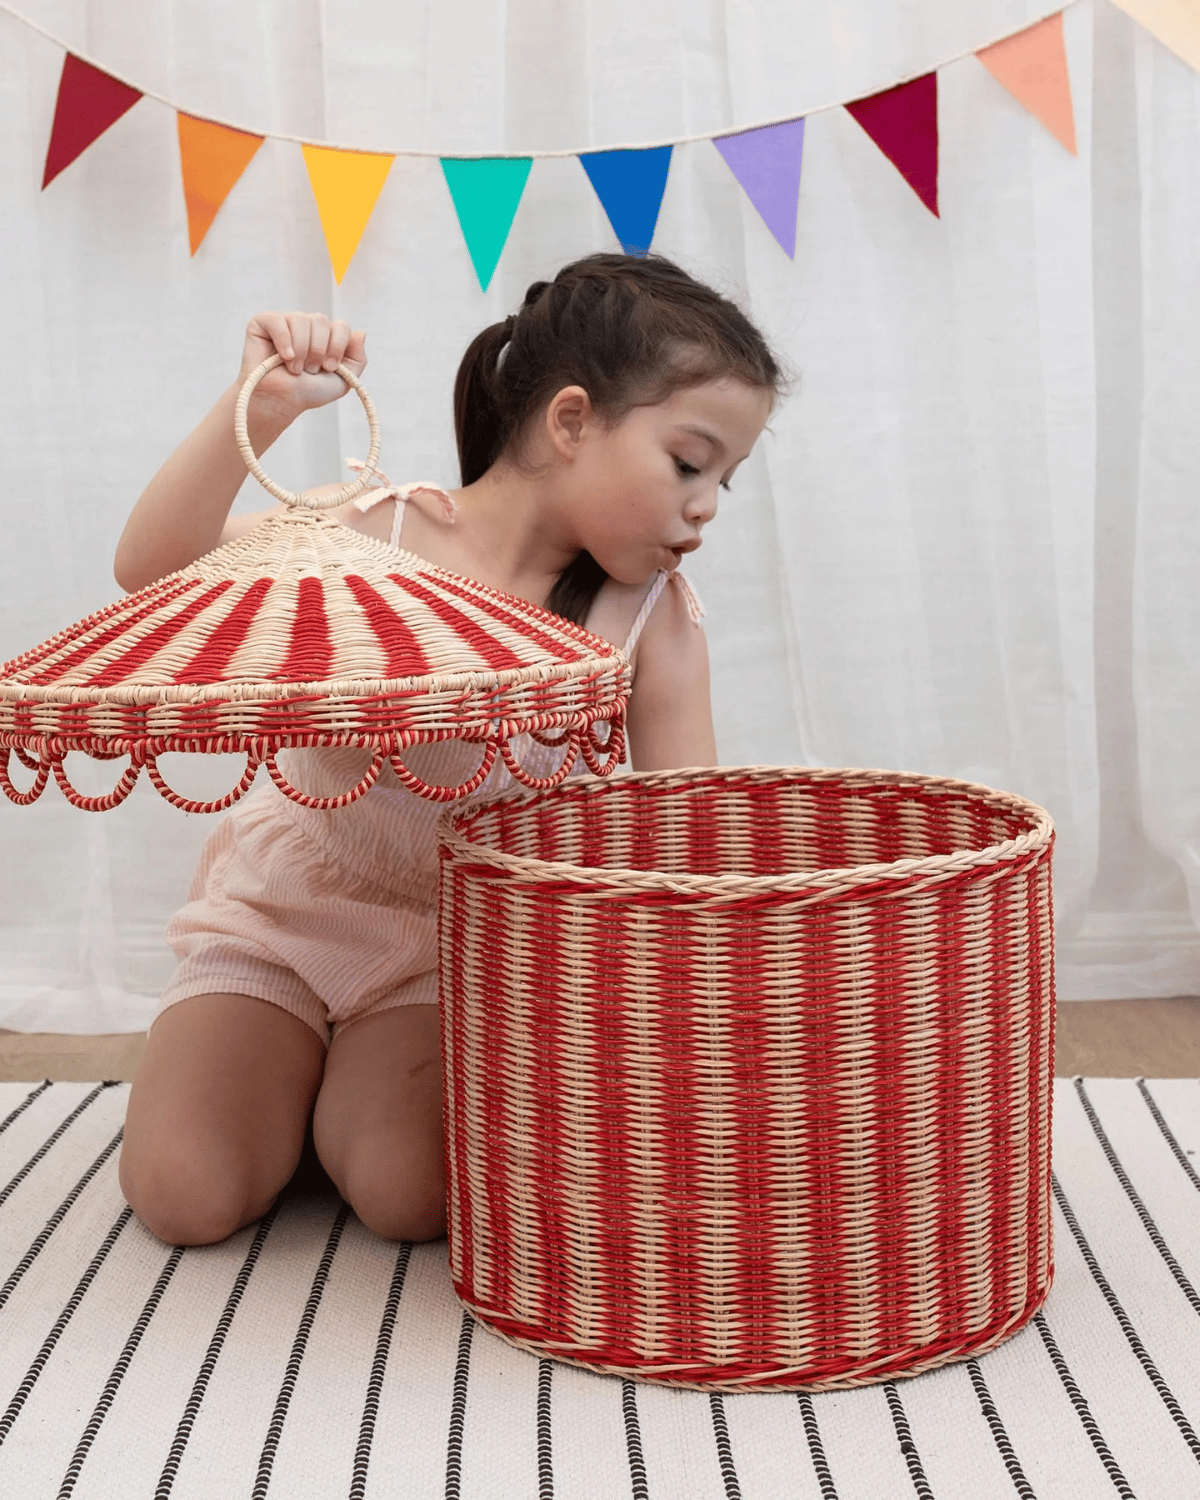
pixel 475 682
pixel 609 881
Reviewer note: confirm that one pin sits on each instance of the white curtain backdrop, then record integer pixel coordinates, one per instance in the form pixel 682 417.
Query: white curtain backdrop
pixel 969 545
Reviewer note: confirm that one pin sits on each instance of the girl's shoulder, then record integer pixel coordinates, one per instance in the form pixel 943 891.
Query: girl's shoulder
pixel 615 609
pixel 670 716
pixel 422 506
pixel 662 615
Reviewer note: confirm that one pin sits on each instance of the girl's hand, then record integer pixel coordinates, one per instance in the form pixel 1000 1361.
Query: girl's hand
pixel 312 346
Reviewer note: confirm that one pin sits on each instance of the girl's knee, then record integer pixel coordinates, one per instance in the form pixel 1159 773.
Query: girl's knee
pixel 398 1197
pixel 393 1218
pixel 185 1201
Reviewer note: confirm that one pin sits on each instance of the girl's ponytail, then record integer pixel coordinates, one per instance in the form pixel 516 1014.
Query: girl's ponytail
pixel 479 427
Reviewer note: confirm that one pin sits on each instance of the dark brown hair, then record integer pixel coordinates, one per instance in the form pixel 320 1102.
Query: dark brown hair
pixel 630 330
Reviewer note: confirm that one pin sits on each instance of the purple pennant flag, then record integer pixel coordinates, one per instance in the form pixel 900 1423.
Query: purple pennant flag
pixel 767 164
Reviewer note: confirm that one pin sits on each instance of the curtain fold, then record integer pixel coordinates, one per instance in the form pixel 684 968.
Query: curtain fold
pixel 966 546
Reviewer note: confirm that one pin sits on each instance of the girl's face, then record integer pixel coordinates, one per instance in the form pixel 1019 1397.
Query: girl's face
pixel 638 493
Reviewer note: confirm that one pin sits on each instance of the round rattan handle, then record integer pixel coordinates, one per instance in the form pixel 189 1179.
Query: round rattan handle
pixel 348 491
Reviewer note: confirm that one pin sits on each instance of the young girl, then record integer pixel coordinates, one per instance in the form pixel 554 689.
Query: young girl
pixel 595 427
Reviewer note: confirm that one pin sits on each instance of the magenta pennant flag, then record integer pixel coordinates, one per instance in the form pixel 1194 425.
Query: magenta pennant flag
pixel 767 164
pixel 89 101
pixel 903 123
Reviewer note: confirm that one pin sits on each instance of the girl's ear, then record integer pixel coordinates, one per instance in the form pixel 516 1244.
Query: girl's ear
pixel 570 411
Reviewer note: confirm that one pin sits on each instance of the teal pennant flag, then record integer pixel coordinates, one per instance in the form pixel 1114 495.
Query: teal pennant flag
pixel 630 186
pixel 486 191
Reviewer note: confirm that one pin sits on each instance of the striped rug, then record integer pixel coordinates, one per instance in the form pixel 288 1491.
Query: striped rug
pixel 304 1357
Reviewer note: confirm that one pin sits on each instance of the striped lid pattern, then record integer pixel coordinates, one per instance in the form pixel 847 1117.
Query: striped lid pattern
pixel 303 633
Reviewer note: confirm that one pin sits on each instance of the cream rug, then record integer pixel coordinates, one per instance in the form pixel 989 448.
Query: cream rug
pixel 307 1358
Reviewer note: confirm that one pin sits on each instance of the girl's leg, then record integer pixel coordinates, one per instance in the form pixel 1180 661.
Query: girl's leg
pixel 217 1115
pixel 377 1125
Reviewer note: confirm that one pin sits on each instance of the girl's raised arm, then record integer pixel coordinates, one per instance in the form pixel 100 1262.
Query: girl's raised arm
pixel 182 513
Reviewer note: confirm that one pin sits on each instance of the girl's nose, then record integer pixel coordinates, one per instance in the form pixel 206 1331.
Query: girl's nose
pixel 702 506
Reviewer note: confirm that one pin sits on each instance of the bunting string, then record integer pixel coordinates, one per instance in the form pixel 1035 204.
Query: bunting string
pixel 629 178
pixel 534 154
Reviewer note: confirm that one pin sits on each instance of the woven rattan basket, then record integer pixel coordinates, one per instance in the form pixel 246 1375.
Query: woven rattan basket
pixel 748 1072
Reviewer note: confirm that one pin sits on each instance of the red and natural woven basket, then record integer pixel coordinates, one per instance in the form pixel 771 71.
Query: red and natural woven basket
pixel 748 1072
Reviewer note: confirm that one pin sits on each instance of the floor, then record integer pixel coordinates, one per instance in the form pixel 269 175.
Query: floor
pixel 1096 1038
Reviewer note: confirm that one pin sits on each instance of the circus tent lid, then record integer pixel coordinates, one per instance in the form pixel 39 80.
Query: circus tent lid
pixel 306 633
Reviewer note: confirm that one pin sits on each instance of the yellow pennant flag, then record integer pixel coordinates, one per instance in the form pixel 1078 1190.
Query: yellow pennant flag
pixel 1032 66
pixel 1176 24
pixel 212 158
pixel 346 185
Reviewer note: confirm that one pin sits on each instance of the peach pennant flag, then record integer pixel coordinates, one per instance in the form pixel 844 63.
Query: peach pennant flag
pixel 1032 66
pixel 212 157
pixel 1176 24
pixel 346 185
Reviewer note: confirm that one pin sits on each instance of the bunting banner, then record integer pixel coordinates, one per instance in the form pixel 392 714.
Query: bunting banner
pixel 88 102
pixel 766 163
pixel 486 191
pixel 629 180
pixel 346 185
pixel 903 123
pixel 630 187
pixel 1175 23
pixel 1032 66
pixel 211 159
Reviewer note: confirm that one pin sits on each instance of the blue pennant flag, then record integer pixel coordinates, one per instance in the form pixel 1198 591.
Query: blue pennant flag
pixel 630 186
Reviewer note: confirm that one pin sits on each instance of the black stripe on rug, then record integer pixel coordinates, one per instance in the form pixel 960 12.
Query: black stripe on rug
pixel 999 1435
pixel 24 1105
pixel 1082 1410
pixel 56 1219
pixel 39 1363
pixel 1168 1135
pixel 383 1344
pixel 183 1431
pixel 270 1446
pixel 112 1385
pixel 639 1489
pixel 545 1449
pixel 816 1448
pixel 904 1435
pixel 1126 1324
pixel 716 1405
pixel 50 1140
pixel 458 1410
pixel 1148 1224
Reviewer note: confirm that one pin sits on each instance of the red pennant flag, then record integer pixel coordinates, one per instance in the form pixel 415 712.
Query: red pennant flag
pixel 903 123
pixel 89 101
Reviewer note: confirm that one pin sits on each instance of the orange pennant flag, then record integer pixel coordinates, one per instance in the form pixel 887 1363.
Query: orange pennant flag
pixel 212 158
pixel 1032 66
pixel 346 185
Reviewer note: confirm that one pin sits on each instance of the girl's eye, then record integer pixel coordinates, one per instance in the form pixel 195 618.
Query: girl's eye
pixel 685 468
pixel 725 485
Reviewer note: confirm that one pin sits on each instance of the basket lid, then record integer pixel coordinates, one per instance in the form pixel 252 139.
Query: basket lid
pixel 304 632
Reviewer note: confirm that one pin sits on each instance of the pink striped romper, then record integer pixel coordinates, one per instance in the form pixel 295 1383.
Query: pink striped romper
pixel 332 914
